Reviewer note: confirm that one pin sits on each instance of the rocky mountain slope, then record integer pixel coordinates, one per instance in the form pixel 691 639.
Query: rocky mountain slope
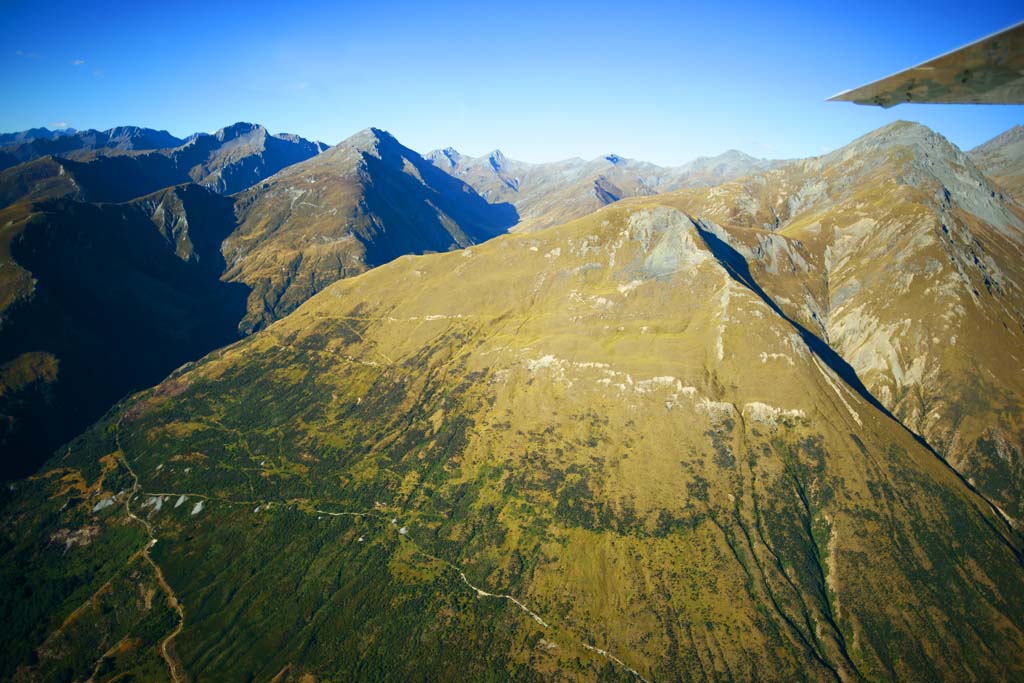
pixel 239 156
pixel 898 253
pixel 552 193
pixel 601 451
pixel 1002 160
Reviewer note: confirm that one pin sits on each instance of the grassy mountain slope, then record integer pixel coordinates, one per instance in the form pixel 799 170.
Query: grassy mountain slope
pixel 552 193
pixel 38 180
pixel 592 452
pixel 897 252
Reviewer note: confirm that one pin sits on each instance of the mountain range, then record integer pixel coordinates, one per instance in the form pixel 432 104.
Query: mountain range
pixel 553 193
pixel 302 218
pixel 72 323
pixel 117 165
pixel 739 420
pixel 16 148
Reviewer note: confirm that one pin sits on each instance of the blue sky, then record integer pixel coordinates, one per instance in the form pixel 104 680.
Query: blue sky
pixel 660 81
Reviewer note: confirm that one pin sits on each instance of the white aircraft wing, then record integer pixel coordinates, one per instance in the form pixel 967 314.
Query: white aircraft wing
pixel 988 71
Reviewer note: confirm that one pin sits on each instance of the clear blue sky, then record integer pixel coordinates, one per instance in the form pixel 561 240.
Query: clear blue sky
pixel 660 81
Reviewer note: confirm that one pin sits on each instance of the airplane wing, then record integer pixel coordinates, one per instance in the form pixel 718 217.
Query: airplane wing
pixel 988 71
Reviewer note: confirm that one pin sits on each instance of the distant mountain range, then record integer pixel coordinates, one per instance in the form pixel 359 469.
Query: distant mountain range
pixel 31 144
pixel 117 165
pixel 31 134
pixel 736 420
pixel 552 193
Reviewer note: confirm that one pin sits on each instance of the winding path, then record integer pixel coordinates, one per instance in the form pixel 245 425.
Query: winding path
pixel 172 599
pixel 172 663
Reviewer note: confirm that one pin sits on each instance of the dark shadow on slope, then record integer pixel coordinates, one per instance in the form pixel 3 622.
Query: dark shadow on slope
pixel 409 212
pixel 739 270
pixel 120 300
pixel 120 178
pixel 736 265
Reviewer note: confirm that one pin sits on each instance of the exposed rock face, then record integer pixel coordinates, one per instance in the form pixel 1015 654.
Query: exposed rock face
pixel 901 255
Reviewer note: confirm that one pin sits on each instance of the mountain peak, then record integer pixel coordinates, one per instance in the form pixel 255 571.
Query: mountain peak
pixel 497 159
pixel 379 133
pixel 901 134
pixel 448 157
pixel 920 157
pixel 1007 137
pixel 736 154
pixel 237 130
pixel 369 140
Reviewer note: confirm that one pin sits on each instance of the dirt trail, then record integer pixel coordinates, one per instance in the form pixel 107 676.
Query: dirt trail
pixel 173 665
pixel 172 661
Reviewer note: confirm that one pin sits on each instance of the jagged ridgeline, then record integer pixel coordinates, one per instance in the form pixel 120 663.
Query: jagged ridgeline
pixel 553 193
pixel 601 451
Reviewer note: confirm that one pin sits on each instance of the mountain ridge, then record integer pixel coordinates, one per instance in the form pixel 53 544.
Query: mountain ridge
pixel 367 200
pixel 897 252
pixel 548 193
pixel 105 166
